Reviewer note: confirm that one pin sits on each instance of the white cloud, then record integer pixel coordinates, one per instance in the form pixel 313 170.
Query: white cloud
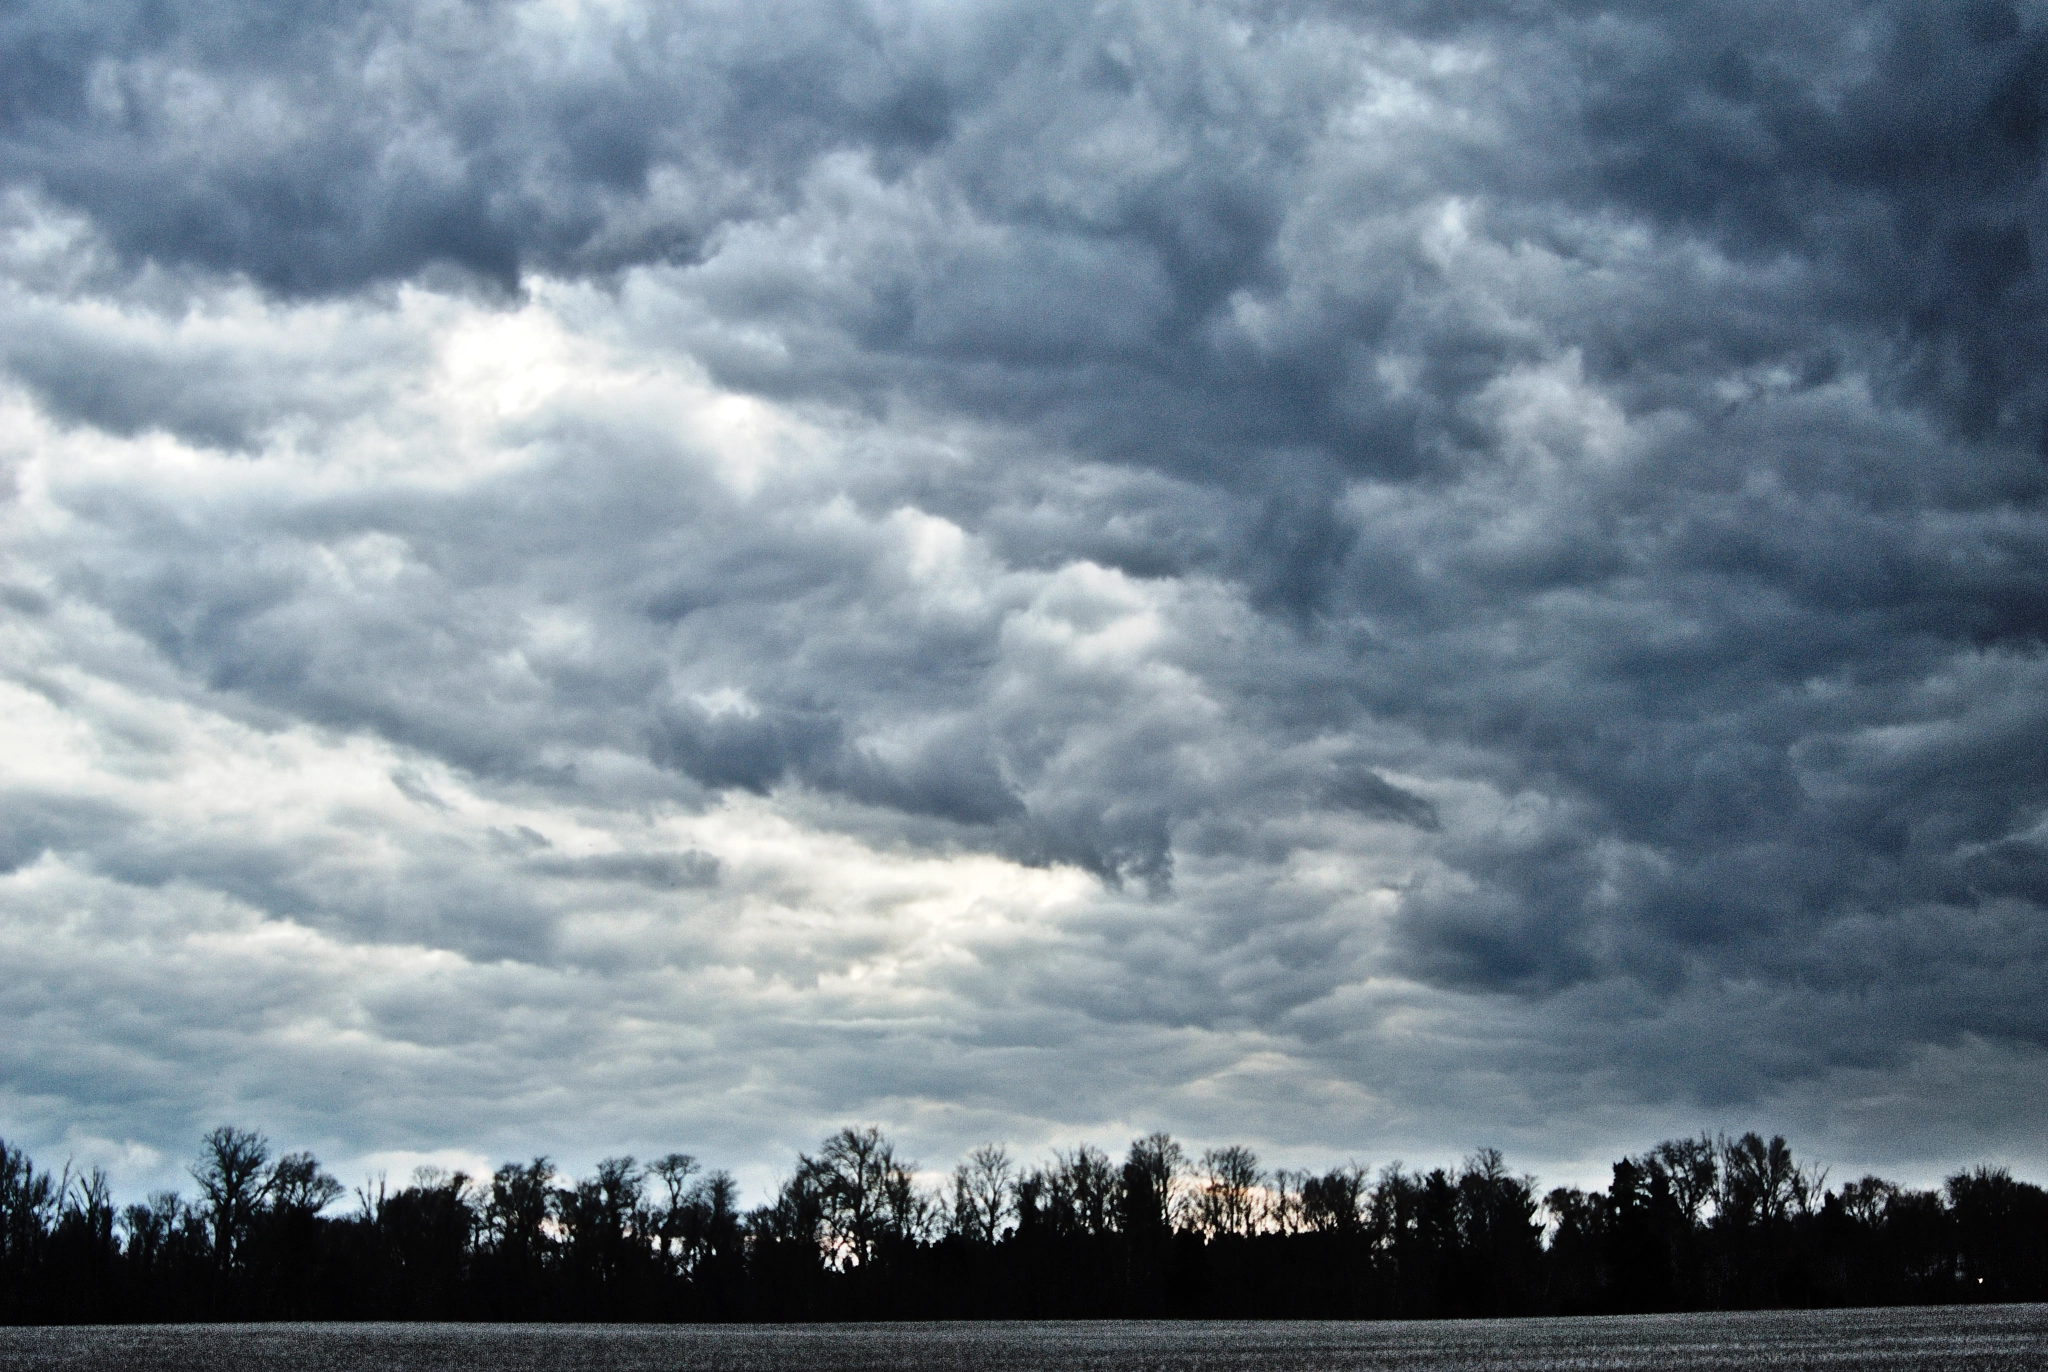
pixel 667 578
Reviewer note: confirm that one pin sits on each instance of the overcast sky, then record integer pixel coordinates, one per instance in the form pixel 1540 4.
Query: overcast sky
pixel 588 576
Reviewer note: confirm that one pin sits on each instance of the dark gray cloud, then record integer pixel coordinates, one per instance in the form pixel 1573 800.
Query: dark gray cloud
pixel 1367 554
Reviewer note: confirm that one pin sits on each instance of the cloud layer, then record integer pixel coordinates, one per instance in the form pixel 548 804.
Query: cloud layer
pixel 583 575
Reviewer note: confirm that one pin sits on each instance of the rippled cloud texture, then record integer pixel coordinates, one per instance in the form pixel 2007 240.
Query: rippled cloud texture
pixel 585 575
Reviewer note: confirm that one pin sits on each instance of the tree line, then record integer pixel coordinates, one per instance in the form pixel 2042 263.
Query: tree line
pixel 858 1232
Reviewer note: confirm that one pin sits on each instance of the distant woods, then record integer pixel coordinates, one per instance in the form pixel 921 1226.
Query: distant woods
pixel 860 1232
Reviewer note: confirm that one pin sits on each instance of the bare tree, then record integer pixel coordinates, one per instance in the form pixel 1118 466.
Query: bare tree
pixel 230 1173
pixel 517 1210
pixel 28 1205
pixel 1496 1210
pixel 981 1194
pixel 1336 1202
pixel 672 1171
pixel 1865 1201
pixel 1810 1187
pixel 153 1228
pixel 867 1194
pixel 605 1220
pixel 1692 1170
pixel 1081 1192
pixel 1286 1209
pixel 1760 1183
pixel 86 1213
pixel 296 1184
pixel 797 1215
pixel 1228 1201
pixel 1151 1184
pixel 710 1229
pixel 914 1213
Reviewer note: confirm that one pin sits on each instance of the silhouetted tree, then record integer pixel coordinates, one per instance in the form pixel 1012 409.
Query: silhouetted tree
pixel 426 1234
pixel 1336 1202
pixel 82 1251
pixel 1692 1172
pixel 608 1236
pixel 516 1224
pixel 867 1196
pixel 1151 1173
pixel 981 1194
pixel 1640 1218
pixel 2001 1229
pixel 1227 1199
pixel 28 1205
pixel 285 1242
pixel 296 1185
pixel 672 1172
pixel 231 1178
pixel 1080 1193
pixel 1760 1183
pixel 1688 1223
pixel 1500 1239
pixel 714 1254
pixel 786 1249
pixel 520 1205
pixel 1577 1276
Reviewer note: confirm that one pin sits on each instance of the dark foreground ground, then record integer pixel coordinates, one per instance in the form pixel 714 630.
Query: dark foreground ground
pixel 1974 1337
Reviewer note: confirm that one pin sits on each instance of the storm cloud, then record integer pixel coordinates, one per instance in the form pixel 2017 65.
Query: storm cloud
pixel 587 575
